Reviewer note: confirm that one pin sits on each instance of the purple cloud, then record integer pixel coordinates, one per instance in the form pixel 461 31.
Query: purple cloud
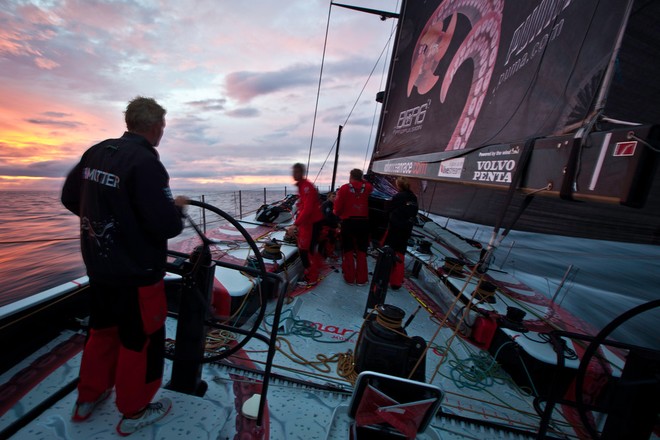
pixel 246 112
pixel 244 86
pixel 209 104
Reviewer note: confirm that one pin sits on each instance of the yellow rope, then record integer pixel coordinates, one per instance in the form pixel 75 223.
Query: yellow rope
pixel 320 364
pixel 346 367
pixel 442 323
pixel 217 339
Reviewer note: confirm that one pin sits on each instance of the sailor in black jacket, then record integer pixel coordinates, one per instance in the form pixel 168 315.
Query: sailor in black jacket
pixel 120 190
pixel 402 213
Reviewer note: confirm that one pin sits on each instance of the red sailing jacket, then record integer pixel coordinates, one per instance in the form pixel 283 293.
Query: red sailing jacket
pixel 309 204
pixel 353 199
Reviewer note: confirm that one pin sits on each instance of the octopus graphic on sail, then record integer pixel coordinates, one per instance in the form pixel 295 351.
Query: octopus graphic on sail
pixel 480 46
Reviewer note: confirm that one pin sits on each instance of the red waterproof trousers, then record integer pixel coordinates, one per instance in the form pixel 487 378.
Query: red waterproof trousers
pixel 307 240
pixel 125 348
pixel 354 244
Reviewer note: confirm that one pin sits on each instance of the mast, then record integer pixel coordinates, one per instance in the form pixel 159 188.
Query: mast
pixel 334 169
pixel 382 96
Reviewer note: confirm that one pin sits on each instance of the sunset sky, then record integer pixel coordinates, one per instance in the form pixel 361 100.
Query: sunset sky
pixel 238 78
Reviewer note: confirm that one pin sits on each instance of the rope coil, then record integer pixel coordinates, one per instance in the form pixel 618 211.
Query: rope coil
pixel 389 316
pixel 453 266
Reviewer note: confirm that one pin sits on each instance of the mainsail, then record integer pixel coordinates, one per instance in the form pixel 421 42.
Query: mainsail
pixel 542 109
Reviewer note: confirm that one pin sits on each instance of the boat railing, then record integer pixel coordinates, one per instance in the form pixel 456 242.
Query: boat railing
pixel 243 202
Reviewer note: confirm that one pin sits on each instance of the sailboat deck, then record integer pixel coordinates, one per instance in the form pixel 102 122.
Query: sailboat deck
pixel 311 386
pixel 296 410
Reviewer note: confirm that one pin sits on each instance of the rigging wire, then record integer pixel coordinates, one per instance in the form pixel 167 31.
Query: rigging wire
pixel 318 90
pixel 385 47
pixel 382 78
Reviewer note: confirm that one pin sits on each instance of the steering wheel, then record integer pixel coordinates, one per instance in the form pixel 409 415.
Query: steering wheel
pixel 259 272
pixel 591 350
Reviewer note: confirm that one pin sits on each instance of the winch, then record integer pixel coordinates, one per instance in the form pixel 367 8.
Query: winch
pixel 385 347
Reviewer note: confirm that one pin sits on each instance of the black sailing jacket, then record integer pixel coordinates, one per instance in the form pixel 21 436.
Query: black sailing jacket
pixel 402 211
pixel 120 190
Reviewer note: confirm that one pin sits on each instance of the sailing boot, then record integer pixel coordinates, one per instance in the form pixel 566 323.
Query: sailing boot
pixel 348 267
pixel 362 271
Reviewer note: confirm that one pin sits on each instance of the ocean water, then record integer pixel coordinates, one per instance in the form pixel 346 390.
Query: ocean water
pixel 39 249
pixel 39 242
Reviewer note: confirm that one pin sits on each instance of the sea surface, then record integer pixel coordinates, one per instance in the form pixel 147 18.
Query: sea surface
pixel 39 238
pixel 39 249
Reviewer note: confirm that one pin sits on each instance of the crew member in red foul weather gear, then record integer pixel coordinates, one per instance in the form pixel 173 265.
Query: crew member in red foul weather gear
pixel 352 207
pixel 307 224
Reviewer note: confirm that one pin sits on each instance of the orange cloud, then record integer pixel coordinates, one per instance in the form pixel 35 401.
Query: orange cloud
pixel 40 139
pixel 8 183
pixel 21 139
